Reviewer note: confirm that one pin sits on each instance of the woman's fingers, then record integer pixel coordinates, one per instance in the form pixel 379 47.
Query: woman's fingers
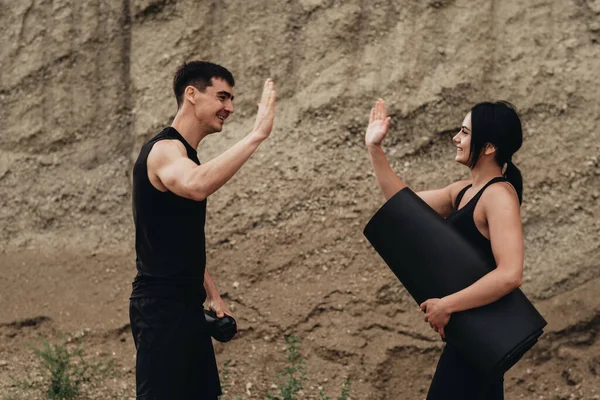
pixel 378 112
pixel 383 110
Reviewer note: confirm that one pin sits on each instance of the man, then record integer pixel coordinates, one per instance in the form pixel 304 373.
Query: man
pixel 175 357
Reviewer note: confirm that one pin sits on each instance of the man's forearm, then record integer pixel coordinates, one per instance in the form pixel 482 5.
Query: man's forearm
pixel 209 286
pixel 388 181
pixel 209 177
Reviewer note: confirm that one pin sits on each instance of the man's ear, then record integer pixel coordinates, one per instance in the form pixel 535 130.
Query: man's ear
pixel 191 94
pixel 489 149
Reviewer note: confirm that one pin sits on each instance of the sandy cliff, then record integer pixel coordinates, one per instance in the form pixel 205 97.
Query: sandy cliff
pixel 83 85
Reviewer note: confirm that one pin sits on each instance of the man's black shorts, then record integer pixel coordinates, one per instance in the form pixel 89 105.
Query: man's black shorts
pixel 175 356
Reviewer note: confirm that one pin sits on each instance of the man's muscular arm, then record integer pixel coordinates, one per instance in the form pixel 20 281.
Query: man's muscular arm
pixel 168 162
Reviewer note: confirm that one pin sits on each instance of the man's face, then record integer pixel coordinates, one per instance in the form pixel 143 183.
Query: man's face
pixel 214 105
pixel 463 141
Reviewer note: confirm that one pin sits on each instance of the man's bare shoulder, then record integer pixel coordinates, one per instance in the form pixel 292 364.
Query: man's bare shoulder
pixel 165 150
pixel 168 146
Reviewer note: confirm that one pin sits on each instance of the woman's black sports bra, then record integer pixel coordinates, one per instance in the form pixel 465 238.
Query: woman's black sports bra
pixel 462 220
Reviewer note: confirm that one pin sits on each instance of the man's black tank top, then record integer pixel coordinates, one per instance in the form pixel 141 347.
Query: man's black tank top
pixel 169 234
pixel 462 220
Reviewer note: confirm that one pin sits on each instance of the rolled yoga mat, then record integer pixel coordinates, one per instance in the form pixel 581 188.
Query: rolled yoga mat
pixel 432 260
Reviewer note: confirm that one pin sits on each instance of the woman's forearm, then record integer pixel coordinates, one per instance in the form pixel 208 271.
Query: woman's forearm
pixel 388 181
pixel 491 287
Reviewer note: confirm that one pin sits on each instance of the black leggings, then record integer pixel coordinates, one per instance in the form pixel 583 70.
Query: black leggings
pixel 456 378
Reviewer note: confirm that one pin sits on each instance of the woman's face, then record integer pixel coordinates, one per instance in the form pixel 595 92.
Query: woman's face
pixel 463 141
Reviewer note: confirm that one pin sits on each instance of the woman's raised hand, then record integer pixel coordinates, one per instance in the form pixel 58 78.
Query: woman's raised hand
pixel 378 124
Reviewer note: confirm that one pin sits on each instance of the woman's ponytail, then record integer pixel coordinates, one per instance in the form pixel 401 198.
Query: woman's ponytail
pixel 513 176
pixel 497 123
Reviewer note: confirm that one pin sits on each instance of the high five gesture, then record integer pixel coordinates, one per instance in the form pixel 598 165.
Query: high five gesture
pixel 378 124
pixel 266 111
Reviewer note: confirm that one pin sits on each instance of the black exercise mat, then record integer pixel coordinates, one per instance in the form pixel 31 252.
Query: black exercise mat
pixel 432 260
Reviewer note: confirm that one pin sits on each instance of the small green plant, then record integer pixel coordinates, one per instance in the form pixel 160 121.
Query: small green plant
pixel 225 376
pixel 68 370
pixel 291 382
pixel 344 395
pixel 293 379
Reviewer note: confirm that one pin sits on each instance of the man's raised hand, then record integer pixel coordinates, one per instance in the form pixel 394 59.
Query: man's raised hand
pixel 378 124
pixel 266 112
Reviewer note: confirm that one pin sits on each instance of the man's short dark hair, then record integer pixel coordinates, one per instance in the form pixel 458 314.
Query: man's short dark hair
pixel 199 75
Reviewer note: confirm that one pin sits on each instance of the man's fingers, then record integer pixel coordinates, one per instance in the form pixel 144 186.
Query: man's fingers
pixel 372 116
pixel 442 334
pixel 265 93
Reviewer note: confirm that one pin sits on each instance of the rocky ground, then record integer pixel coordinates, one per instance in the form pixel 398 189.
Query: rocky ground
pixel 85 83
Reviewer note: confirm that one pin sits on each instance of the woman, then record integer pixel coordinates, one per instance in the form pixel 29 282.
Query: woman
pixel 485 211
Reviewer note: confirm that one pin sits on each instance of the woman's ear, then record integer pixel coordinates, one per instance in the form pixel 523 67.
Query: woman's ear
pixel 489 149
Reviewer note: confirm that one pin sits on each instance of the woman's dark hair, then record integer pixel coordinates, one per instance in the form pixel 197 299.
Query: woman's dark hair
pixel 498 124
pixel 198 74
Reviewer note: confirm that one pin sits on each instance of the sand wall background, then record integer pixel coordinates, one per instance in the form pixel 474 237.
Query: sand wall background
pixel 84 84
